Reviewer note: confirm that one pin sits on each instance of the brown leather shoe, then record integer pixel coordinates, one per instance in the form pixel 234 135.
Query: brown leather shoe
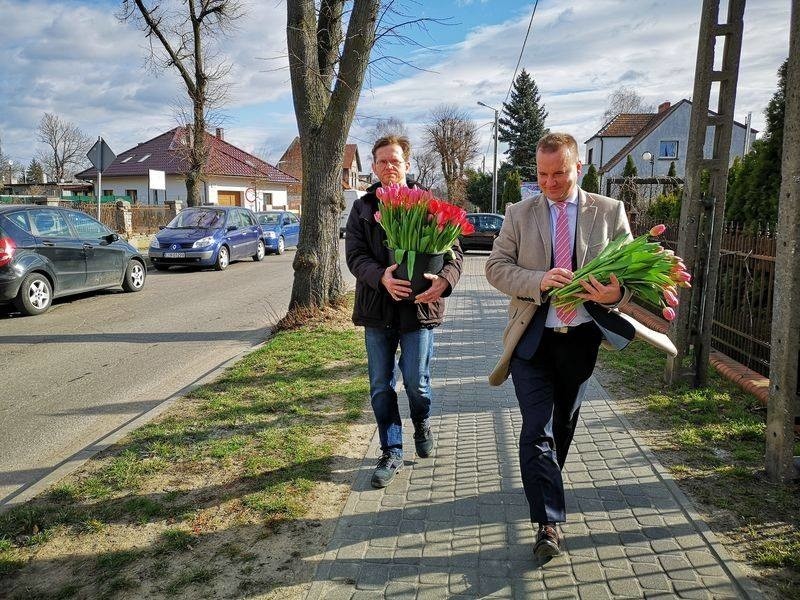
pixel 548 541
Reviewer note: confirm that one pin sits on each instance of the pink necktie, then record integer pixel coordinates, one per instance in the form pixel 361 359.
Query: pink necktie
pixel 563 259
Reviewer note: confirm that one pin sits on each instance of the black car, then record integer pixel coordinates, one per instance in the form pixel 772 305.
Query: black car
pixel 487 226
pixel 47 252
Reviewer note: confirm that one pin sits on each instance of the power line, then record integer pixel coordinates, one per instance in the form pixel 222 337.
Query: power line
pixel 522 51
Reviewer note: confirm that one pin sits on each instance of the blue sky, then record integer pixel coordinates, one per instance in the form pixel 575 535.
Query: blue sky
pixel 75 59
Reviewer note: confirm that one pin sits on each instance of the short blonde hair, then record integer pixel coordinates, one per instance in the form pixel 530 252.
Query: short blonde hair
pixel 389 140
pixel 553 142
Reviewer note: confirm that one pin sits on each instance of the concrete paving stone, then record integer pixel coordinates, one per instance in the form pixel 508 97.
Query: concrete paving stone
pixel 400 591
pixel 525 589
pixel 354 551
pixel 594 591
pixel 434 577
pixel 677 567
pixel 432 592
pixel 337 591
pixel 494 587
pixel 408 573
pixel 665 546
pixel 623 583
pixel 345 571
pixel 587 571
pixel 634 538
pixel 650 577
pixel 693 590
pixel 459 583
pixel 411 526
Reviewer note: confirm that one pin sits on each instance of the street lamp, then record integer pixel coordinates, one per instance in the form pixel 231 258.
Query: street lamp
pixel 10 167
pixel 494 167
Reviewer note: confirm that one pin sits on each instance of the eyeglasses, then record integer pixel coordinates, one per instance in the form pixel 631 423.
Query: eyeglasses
pixel 383 163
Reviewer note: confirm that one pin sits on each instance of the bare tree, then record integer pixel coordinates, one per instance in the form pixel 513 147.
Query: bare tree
pixel 390 126
pixel 66 146
pixel 625 100
pixel 454 137
pixel 328 62
pixel 178 34
pixel 426 162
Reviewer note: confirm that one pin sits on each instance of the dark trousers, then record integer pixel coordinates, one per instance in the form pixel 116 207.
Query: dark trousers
pixel 549 388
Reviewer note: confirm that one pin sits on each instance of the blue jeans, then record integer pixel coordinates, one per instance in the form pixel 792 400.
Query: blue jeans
pixel 416 353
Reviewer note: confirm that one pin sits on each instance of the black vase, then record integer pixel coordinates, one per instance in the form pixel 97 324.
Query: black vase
pixel 423 263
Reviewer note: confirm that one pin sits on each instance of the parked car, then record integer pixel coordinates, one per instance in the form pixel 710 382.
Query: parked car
pixel 206 236
pixel 281 229
pixel 487 226
pixel 47 252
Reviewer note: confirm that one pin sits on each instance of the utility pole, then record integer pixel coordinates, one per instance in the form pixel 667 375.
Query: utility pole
pixel 784 384
pixel 494 167
pixel 702 214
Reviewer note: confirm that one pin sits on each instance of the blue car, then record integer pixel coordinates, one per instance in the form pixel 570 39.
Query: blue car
pixel 207 236
pixel 281 229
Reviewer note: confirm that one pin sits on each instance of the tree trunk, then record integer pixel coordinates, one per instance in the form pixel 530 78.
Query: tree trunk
pixel 317 277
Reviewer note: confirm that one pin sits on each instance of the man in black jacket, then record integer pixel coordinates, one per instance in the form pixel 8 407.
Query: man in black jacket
pixel 390 320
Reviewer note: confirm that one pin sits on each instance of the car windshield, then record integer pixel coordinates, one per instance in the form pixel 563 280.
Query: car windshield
pixel 198 217
pixel 271 218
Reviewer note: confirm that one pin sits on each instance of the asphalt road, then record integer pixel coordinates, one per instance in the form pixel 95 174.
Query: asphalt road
pixel 94 363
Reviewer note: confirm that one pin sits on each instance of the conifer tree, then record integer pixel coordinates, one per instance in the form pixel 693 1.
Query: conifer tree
pixel 628 192
pixel 35 172
pixel 522 124
pixel 590 182
pixel 512 190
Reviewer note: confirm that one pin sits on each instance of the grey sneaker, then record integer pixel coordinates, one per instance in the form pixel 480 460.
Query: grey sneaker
pixel 388 466
pixel 423 438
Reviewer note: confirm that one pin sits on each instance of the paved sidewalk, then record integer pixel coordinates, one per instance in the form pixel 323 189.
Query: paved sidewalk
pixel 456 525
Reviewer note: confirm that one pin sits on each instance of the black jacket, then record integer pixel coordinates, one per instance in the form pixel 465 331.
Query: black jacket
pixel 367 258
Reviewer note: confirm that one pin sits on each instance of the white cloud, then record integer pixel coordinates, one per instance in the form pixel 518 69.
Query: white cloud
pixel 76 59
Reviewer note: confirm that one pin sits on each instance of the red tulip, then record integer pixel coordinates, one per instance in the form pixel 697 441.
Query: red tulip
pixel 668 313
pixel 658 229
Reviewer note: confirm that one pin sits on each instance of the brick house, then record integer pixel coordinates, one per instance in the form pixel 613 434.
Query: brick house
pixel 292 163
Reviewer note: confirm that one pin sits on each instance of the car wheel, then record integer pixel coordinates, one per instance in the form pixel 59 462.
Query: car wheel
pixel 35 295
pixel 161 267
pixel 262 250
pixel 281 245
pixel 223 259
pixel 134 276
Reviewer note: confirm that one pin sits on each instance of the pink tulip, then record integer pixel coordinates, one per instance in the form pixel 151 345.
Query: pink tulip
pixel 671 298
pixel 658 229
pixel 682 276
pixel 669 313
pixel 684 284
pixel 378 216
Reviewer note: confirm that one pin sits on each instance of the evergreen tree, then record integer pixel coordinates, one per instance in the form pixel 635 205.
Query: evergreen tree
pixel 754 187
pixel 512 190
pixel 35 172
pixel 590 182
pixel 522 124
pixel 479 189
pixel 673 172
pixel 628 192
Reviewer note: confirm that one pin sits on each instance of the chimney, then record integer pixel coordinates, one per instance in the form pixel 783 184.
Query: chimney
pixel 221 133
pixel 663 106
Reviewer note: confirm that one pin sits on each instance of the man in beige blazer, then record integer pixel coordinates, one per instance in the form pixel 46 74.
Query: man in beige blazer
pixel 551 353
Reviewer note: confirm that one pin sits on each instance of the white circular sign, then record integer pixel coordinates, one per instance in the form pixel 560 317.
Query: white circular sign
pixel 250 195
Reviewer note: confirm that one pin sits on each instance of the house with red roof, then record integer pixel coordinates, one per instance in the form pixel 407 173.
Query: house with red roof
pixel 292 162
pixel 232 176
pixel 665 134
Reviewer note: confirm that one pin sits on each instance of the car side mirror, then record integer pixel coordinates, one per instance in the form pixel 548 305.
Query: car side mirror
pixel 111 238
pixel 160 227
pixel 232 227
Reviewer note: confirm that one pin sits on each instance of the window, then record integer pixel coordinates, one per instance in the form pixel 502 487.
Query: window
pixel 20 219
pixel 247 220
pixel 668 149
pixel 144 158
pixel 589 156
pixel 267 198
pixel 126 159
pixel 50 224
pixel 87 227
pixel 108 192
pixel 133 195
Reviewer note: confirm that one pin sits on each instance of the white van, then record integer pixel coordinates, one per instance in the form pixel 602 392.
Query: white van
pixel 350 196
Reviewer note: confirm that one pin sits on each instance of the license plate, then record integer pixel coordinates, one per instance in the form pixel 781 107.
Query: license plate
pixel 174 254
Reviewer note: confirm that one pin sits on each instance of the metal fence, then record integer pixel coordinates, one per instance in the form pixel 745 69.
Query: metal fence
pixel 638 193
pixel 746 282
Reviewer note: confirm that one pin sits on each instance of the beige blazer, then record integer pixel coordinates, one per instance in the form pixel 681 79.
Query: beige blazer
pixel 522 254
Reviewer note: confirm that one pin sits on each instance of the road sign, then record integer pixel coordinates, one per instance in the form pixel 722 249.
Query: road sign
pixel 250 195
pixel 101 156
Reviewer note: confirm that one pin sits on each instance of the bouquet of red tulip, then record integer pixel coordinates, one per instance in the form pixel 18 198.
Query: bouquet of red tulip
pixel 416 222
pixel 648 270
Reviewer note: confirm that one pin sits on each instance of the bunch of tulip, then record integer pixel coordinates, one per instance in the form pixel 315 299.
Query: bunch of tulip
pixel 416 222
pixel 645 268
